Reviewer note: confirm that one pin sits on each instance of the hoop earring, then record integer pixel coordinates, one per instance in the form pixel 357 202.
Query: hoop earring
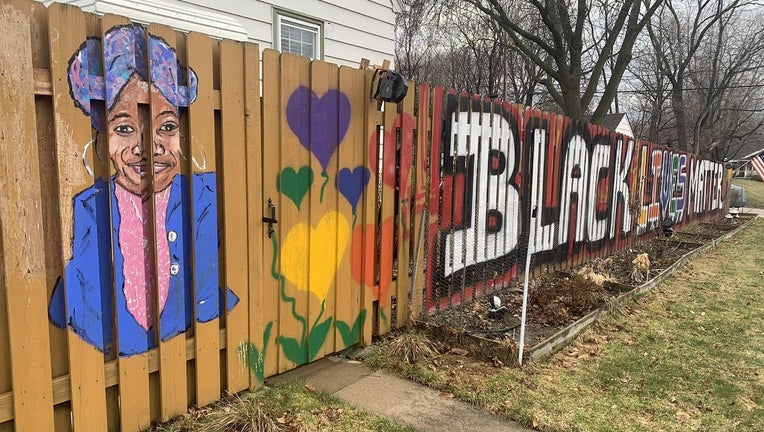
pixel 85 159
pixel 200 166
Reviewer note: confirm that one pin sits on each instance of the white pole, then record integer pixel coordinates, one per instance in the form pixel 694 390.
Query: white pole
pixel 535 207
pixel 525 294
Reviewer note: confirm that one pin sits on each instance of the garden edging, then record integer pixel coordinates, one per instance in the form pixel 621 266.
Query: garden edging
pixel 566 335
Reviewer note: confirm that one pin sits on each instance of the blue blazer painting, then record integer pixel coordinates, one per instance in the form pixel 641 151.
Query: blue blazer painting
pixel 144 259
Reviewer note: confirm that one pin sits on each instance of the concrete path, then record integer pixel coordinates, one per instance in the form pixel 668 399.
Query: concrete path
pixel 399 400
pixel 759 212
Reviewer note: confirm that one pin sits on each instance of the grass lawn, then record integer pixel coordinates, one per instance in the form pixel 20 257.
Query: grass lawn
pixel 687 356
pixel 290 407
pixel 754 191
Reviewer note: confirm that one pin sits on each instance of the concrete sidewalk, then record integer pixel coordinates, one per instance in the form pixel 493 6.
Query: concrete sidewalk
pixel 399 400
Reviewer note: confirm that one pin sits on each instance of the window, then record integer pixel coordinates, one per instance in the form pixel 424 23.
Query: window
pixel 298 35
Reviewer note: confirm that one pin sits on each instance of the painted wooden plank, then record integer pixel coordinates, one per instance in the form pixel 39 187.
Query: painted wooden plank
pixel 515 204
pixel 298 194
pixel 353 184
pixel 579 256
pixel 492 139
pixel 531 156
pixel 449 213
pixel 434 199
pixel 369 262
pixel 24 269
pixel 201 146
pixel 330 230
pixel 458 210
pixel 448 209
pixel 73 131
pixel 387 223
pixel 259 332
pixel 407 180
pixel 552 184
pixel 6 403
pixel 172 354
pixel 421 182
pixel 482 192
pixel 234 175
pixel 134 396
pixel 500 141
pixel 272 281
pixel 46 140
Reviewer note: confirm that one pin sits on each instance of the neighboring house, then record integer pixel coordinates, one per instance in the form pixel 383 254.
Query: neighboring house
pixel 337 31
pixel 618 122
pixel 743 168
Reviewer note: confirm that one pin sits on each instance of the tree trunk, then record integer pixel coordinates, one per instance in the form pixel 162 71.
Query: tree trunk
pixel 677 104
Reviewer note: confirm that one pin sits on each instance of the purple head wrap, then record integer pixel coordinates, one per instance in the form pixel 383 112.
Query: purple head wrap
pixel 124 54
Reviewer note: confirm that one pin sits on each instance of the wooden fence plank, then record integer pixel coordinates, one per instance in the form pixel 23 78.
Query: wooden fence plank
pixel 420 197
pixel 434 198
pixel 406 181
pixel 500 141
pixel 485 200
pixel 294 222
pixel 24 276
pixel 464 147
pixel 370 223
pixel 550 193
pixel 201 146
pixel 350 315
pixel 134 395
pixel 73 130
pixel 48 163
pixel 272 117
pixel 172 353
pixel 387 222
pixel 234 176
pixel 259 333
pixel 6 403
pixel 325 250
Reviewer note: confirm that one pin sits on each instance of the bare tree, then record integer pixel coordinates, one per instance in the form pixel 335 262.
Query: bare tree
pixel 465 50
pixel 415 42
pixel 707 51
pixel 649 92
pixel 560 46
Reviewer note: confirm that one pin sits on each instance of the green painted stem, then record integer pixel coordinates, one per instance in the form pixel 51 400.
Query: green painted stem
pixel 282 289
pixel 323 186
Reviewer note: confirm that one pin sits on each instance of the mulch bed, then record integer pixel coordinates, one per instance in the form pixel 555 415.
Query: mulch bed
pixel 560 298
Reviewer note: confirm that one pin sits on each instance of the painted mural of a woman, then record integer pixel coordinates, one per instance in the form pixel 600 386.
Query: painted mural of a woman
pixel 110 285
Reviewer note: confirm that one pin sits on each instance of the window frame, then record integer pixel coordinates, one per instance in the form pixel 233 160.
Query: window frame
pixel 308 23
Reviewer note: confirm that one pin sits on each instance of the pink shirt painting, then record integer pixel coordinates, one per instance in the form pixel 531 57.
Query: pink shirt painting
pixel 138 268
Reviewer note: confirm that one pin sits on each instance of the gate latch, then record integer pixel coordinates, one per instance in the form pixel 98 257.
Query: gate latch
pixel 271 220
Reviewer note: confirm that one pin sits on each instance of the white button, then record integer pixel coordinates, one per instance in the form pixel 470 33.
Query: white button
pixel 174 269
pixel 172 236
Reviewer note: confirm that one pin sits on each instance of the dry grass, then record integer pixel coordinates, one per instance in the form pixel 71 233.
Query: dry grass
pixel 243 415
pixel 412 347
pixel 287 408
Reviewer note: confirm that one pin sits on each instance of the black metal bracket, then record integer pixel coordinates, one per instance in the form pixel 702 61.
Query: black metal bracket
pixel 271 220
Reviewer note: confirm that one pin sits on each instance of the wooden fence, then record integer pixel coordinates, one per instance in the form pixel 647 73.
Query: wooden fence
pixel 169 231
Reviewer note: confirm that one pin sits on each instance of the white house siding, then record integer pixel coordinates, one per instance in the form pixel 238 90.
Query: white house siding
pixel 353 29
pixel 624 127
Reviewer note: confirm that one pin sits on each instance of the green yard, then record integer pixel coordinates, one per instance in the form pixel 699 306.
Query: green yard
pixel 754 191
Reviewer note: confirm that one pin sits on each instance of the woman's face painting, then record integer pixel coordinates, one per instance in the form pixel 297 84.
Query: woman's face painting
pixel 129 127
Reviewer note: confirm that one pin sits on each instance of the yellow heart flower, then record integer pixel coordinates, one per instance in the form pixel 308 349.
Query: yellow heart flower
pixel 314 270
